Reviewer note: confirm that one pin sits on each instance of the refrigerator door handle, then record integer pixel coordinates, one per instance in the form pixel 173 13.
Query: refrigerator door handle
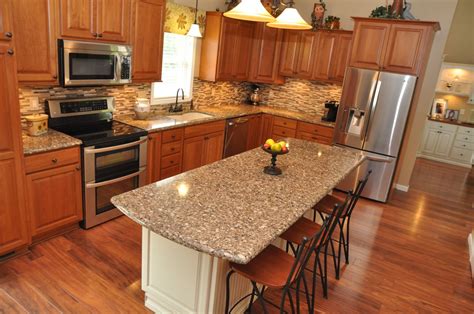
pixel 379 159
pixel 372 109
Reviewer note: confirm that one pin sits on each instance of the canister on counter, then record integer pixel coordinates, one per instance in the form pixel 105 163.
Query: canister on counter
pixel 36 124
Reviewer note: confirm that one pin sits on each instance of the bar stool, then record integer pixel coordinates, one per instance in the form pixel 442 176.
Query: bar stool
pixel 276 269
pixel 324 208
pixel 304 227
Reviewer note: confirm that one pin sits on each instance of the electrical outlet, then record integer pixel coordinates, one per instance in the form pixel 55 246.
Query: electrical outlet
pixel 34 103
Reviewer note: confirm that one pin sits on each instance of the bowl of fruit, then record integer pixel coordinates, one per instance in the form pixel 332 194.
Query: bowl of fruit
pixel 275 149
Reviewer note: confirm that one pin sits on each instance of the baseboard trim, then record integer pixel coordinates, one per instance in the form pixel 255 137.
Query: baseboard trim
pixel 401 187
pixel 470 240
pixel 446 161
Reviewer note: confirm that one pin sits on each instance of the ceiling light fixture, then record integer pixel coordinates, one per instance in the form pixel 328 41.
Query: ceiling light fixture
pixel 250 10
pixel 194 30
pixel 290 18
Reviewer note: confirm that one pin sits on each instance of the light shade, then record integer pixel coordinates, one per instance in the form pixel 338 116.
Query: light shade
pixel 250 10
pixel 194 31
pixel 289 19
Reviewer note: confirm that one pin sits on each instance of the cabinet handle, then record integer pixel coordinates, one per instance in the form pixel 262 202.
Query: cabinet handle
pixel 99 35
pixel 10 52
pixel 206 137
pixel 171 161
pixel 172 149
pixel 54 160
pixel 55 76
pixel 461 154
pixel 78 168
pixel 8 35
pixel 173 136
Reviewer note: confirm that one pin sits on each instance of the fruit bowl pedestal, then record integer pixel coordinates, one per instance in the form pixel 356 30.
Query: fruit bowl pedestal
pixel 273 169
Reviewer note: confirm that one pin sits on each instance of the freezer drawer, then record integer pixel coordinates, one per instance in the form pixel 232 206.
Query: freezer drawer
pixel 380 180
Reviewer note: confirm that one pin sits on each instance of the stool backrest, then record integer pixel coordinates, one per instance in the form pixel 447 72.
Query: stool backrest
pixel 357 192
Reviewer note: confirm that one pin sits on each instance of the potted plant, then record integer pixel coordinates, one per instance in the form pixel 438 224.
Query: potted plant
pixel 332 22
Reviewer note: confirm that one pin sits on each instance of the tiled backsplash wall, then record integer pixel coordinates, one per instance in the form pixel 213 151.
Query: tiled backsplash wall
pixel 295 94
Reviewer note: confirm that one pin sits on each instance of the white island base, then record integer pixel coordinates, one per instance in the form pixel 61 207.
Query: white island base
pixel 177 279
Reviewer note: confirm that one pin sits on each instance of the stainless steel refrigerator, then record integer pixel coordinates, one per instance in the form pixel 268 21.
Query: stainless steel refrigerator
pixel 371 119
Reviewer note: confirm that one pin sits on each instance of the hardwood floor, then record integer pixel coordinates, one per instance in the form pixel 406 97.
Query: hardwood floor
pixel 407 256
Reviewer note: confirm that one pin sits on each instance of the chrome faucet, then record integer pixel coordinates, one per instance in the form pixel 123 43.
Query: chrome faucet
pixel 177 107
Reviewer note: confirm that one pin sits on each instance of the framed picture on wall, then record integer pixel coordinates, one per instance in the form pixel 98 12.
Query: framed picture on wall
pixel 439 108
pixel 452 114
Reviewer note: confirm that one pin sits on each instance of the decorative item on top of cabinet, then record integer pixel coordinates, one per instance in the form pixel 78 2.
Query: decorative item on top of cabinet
pixel 147 40
pixel 35 26
pixel 226 49
pixel 54 189
pixel 399 46
pixel 13 223
pixel 105 20
pixel 317 16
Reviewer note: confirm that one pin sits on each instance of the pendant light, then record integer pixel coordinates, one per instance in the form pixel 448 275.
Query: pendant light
pixel 250 10
pixel 290 18
pixel 194 30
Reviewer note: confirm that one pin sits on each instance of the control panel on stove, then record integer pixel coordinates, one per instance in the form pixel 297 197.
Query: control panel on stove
pixel 79 106
pixel 83 106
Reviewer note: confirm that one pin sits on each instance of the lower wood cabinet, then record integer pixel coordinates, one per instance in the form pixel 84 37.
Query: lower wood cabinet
pixel 153 157
pixel 267 127
pixel 254 132
pixel 315 133
pixel 54 191
pixel 171 153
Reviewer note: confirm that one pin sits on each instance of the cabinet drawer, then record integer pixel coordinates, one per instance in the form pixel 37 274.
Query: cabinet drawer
pixel 461 154
pixel 442 126
pixel 53 159
pixel 313 138
pixel 203 129
pixel 315 129
pixel 464 145
pixel 465 130
pixel 282 132
pixel 465 138
pixel 170 171
pixel 172 135
pixel 171 148
pixel 171 160
pixel 284 122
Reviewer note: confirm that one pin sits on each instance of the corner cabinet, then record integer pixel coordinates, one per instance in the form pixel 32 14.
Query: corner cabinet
pixel 400 46
pixel 147 39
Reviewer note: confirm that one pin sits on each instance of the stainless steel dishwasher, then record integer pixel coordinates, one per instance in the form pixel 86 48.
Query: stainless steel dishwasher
pixel 236 133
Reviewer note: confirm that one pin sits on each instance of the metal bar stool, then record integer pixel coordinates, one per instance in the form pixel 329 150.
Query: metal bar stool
pixel 323 208
pixel 276 269
pixel 304 227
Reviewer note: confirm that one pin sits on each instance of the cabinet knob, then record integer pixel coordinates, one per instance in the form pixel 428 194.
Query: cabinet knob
pixel 99 35
pixel 172 149
pixel 78 168
pixel 55 76
pixel 10 52
pixel 8 35
pixel 173 136
pixel 54 160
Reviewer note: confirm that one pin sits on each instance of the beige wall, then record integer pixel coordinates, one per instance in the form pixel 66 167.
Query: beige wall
pixel 460 45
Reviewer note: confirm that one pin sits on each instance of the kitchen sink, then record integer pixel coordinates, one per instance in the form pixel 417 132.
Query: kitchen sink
pixel 189 116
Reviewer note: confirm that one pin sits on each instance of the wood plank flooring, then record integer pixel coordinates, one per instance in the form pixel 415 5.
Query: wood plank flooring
pixel 406 256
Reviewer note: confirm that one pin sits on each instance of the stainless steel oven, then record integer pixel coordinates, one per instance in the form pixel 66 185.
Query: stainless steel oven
pixel 109 170
pixel 86 63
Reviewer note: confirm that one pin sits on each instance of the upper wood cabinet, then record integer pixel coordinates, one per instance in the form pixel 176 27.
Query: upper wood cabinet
pixel 107 20
pixel 13 223
pixel 307 51
pixel 226 49
pixel 341 57
pixel 400 46
pixel 147 40
pixel 35 33
pixel 289 52
pixel 6 28
pixel 266 55
pixel 325 55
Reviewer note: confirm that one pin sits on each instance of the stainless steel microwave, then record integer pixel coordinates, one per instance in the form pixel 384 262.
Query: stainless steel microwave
pixel 87 63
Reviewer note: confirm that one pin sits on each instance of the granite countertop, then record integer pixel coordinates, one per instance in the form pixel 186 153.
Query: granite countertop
pixel 459 123
pixel 219 113
pixel 52 140
pixel 230 208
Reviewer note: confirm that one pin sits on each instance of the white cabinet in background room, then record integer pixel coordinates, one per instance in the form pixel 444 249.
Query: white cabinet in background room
pixel 448 143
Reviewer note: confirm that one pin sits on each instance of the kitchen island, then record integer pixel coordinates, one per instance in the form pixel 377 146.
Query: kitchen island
pixel 229 210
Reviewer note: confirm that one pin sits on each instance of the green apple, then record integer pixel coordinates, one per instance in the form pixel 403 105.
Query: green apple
pixel 276 148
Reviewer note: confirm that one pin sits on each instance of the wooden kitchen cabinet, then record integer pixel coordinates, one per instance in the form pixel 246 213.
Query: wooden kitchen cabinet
pixel 341 57
pixel 13 218
pixel 54 196
pixel 314 133
pixel 226 49
pixel 289 52
pixel 147 39
pixel 6 27
pixel 283 128
pixel 105 20
pixel 254 131
pixel 325 57
pixel 307 52
pixel 35 36
pixel 266 55
pixel 400 46
pixel 153 157
pixel 267 127
pixel 171 153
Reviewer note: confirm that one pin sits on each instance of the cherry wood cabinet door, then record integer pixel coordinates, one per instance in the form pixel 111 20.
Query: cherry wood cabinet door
pixel 77 18
pixel 13 223
pixel 6 28
pixel 370 41
pixel 214 147
pixel 243 50
pixel 254 132
pixel 193 152
pixel 289 52
pixel 228 54
pixel 267 127
pixel 307 53
pixel 325 56
pixel 341 58
pixel 35 26
pixel 154 157
pixel 266 55
pixel 54 198
pixel 147 41
pixel 113 20
pixel 406 45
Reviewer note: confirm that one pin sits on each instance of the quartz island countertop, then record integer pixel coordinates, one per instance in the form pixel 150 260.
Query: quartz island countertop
pixel 230 208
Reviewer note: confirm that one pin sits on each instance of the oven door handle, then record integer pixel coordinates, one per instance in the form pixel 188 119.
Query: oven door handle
pixel 128 176
pixel 112 148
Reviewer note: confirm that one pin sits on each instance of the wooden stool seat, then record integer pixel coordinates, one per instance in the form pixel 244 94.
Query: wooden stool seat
pixel 270 268
pixel 303 227
pixel 326 205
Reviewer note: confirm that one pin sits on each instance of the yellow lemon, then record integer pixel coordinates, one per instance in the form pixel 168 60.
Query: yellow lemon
pixel 270 142
pixel 276 148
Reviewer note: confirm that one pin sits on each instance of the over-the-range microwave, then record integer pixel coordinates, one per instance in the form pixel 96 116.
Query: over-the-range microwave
pixel 86 63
